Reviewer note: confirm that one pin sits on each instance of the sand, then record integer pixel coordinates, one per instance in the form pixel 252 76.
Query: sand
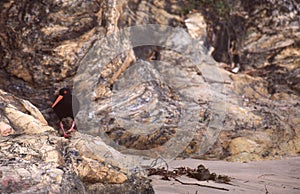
pixel 276 176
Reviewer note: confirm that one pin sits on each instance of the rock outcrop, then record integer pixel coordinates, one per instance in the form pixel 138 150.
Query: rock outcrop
pixel 261 41
pixel 35 160
pixel 237 74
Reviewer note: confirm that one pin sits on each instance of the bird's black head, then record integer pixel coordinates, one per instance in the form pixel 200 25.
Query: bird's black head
pixel 64 91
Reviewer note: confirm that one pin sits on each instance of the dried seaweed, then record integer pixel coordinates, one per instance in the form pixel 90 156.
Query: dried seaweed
pixel 200 173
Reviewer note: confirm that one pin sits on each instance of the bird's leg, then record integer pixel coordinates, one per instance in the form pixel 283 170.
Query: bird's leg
pixel 72 127
pixel 62 128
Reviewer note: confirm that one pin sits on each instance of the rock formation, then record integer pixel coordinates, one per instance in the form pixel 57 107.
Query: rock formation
pixel 233 84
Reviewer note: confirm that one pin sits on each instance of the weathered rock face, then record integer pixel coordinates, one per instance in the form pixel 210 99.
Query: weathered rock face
pixel 21 116
pixel 262 100
pixel 268 51
pixel 45 163
pixel 43 44
pixel 272 30
pixel 34 159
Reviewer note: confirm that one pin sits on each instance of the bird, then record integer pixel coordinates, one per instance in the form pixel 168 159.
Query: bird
pixel 66 105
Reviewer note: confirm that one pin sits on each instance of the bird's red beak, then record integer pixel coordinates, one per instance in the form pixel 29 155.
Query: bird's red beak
pixel 59 98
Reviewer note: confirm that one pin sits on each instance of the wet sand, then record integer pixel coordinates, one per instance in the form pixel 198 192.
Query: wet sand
pixel 276 176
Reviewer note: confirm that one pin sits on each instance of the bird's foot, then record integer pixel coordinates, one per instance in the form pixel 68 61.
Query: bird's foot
pixel 72 128
pixel 66 135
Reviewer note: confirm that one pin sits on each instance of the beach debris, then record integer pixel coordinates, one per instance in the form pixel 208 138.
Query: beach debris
pixel 200 173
